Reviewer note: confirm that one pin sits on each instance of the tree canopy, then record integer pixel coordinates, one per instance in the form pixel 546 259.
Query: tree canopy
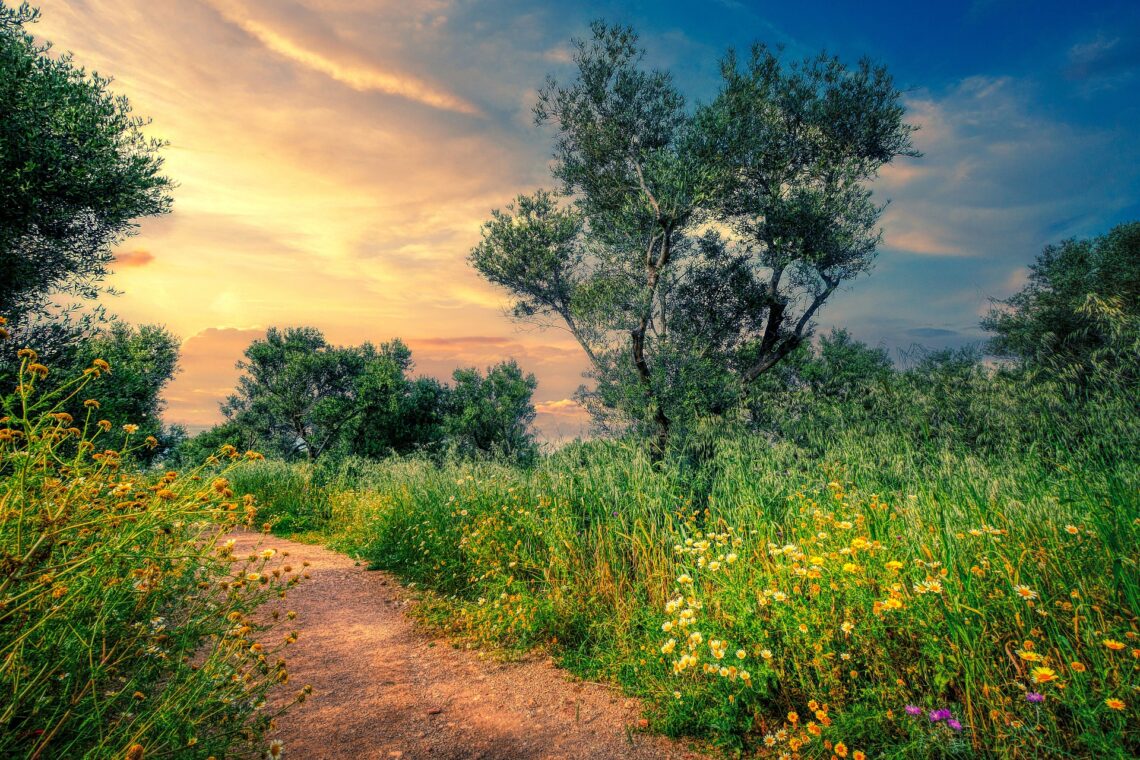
pixel 1079 311
pixel 694 247
pixel 76 171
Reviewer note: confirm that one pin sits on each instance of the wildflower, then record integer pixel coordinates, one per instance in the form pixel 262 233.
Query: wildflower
pixel 766 654
pixel 1078 667
pixel 840 749
pixel 1114 704
pixel 857 755
pixel 741 654
pixel 730 558
pixel 135 752
pixel 1025 592
pixel 130 429
pixel 1114 645
pixel 954 724
pixel 941 714
pixel 268 553
pixel 1034 696
pixel 1029 655
pixel 894 565
pixel 685 579
pixel 276 747
pixel 101 365
pixel 847 626
pixel 38 370
pixel 913 710
pixel 1072 529
pixel 667 626
pixel 1043 675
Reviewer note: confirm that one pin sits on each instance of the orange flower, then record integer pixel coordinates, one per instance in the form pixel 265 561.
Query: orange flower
pixel 1114 645
pixel 1114 704
pixel 841 749
pixel 1078 667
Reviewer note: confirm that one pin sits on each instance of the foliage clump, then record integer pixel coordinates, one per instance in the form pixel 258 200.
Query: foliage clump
pixel 127 624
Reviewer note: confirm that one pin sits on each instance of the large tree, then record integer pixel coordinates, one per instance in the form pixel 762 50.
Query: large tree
pixel 76 170
pixel 695 247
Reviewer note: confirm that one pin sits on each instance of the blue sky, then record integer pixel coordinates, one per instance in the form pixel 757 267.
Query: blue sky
pixel 335 159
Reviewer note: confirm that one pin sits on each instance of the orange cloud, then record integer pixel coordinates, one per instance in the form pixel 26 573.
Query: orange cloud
pixel 208 375
pixel 137 258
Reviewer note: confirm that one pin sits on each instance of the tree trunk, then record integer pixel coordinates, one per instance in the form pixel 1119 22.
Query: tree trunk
pixel 661 441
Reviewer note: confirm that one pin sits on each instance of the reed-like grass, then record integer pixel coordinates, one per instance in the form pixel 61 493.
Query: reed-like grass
pixel 863 593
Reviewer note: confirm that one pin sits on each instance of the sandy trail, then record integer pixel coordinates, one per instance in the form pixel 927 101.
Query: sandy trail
pixel 383 688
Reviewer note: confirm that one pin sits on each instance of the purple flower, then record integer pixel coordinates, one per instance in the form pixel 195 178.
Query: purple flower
pixel 913 710
pixel 937 715
pixel 1034 696
pixel 954 724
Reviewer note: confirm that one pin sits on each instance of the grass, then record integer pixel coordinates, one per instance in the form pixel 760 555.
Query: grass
pixel 863 595
pixel 127 627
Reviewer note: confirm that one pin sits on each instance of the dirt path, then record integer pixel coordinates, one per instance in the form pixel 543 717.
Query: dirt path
pixel 385 689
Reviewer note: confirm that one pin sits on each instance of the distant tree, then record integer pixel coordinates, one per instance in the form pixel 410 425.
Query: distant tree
pixel 674 317
pixel 398 414
pixel 297 393
pixel 491 413
pixel 844 369
pixel 1080 310
pixel 143 361
pixel 76 170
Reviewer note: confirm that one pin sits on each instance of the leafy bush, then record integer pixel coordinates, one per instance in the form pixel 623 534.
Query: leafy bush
pixel 126 627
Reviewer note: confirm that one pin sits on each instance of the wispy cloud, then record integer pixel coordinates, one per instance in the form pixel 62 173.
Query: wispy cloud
pixel 340 63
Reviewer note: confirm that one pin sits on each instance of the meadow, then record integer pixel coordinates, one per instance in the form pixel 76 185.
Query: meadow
pixel 881 591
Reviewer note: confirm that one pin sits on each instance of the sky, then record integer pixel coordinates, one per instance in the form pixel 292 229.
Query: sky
pixel 336 158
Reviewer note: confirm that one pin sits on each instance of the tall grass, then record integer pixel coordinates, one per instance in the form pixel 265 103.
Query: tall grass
pixel 865 592
pixel 127 628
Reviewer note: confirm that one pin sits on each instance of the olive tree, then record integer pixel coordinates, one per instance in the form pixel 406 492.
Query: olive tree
pixel 688 251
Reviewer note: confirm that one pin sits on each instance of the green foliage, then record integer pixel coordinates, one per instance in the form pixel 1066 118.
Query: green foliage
pixel 1078 318
pixel 75 171
pixel 297 393
pixel 300 395
pixel 126 625
pixel 675 318
pixel 491 413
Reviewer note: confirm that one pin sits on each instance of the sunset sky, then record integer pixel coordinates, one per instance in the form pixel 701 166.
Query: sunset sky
pixel 335 159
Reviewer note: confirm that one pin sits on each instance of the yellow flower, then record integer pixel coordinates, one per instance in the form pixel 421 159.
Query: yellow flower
pixel 1079 667
pixel 130 429
pixel 1042 674
pixel 1073 529
pixel 741 654
pixel 894 565
pixel 1114 704
pixel 1114 645
pixel 841 749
